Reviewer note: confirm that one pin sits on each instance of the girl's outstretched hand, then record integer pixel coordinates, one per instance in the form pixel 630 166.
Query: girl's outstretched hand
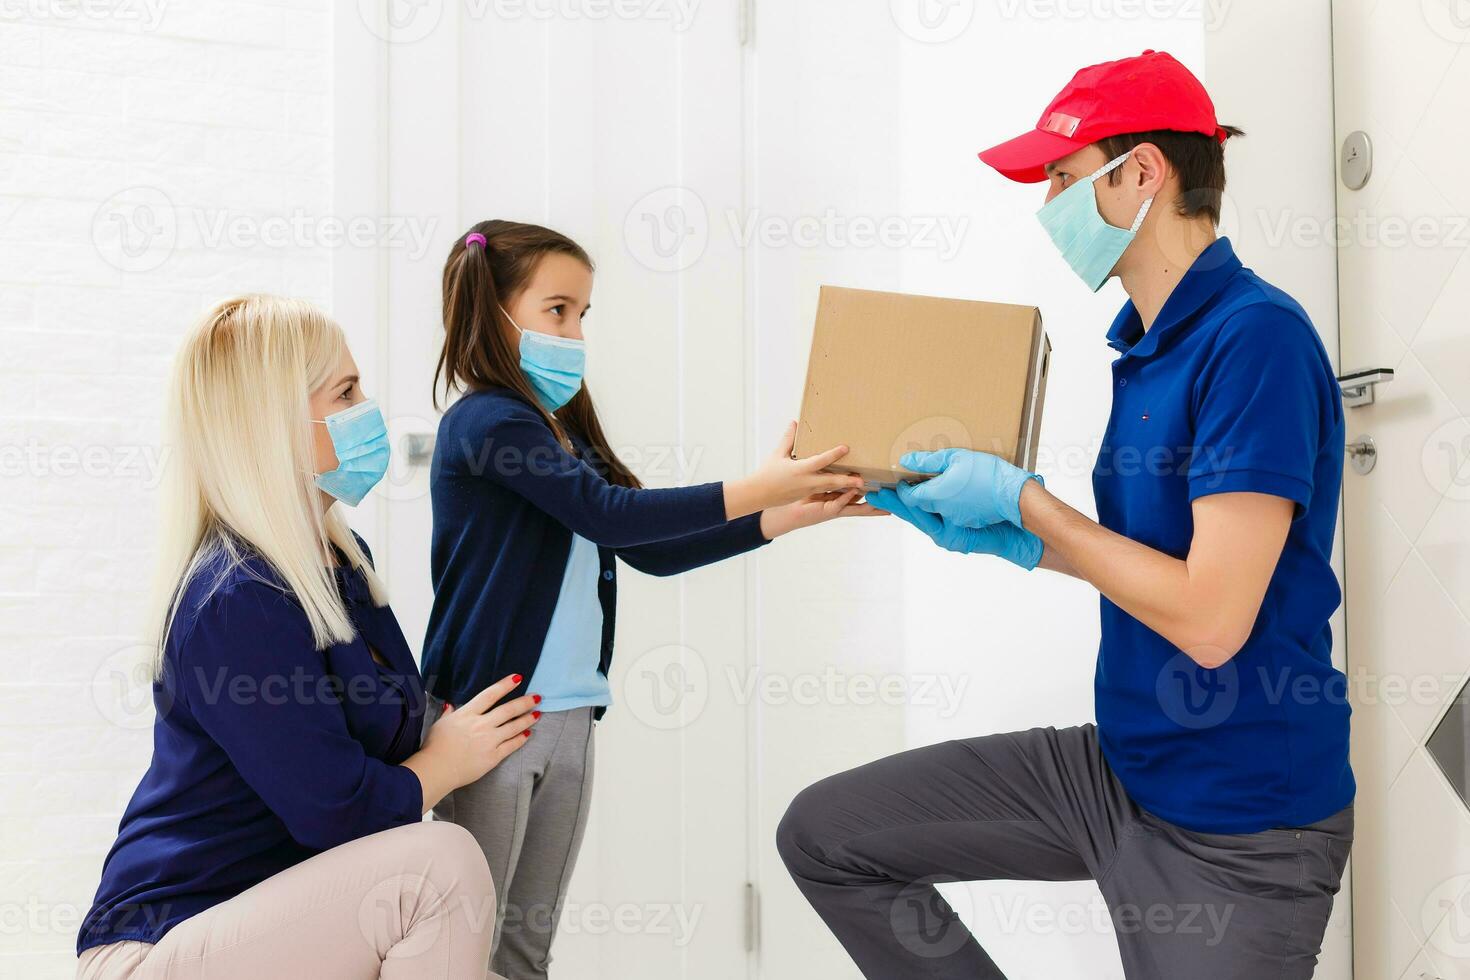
pixel 816 509
pixel 781 480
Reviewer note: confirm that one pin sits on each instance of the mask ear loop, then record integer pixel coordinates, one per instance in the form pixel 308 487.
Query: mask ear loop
pixel 1113 164
pixel 508 317
pixel 314 473
pixel 361 408
pixel 543 338
pixel 1110 165
pixel 1142 213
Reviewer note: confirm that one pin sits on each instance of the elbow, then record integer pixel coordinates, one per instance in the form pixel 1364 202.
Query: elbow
pixel 654 568
pixel 317 831
pixel 1211 657
pixel 1212 646
pixel 604 537
pixel 322 828
pixel 1212 636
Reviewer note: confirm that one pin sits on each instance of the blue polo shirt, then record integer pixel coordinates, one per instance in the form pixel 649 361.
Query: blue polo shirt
pixel 1230 390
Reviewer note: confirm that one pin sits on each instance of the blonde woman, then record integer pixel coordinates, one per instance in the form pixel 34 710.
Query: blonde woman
pixel 277 831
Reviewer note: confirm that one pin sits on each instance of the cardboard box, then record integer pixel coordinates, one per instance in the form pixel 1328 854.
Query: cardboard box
pixel 890 373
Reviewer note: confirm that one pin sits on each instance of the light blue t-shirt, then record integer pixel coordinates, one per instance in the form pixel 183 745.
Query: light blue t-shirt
pixel 566 676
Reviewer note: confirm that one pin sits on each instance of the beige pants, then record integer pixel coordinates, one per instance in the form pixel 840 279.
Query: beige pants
pixel 407 903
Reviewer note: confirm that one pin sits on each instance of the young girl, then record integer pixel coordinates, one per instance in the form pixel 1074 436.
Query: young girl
pixel 531 507
pixel 288 784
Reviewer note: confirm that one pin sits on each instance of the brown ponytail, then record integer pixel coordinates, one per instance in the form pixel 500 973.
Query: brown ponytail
pixel 478 353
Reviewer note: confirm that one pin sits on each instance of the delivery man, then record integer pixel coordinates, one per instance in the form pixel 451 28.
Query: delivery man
pixel 1212 800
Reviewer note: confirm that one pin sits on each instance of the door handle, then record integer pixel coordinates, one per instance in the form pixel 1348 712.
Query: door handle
pixel 418 448
pixel 1358 386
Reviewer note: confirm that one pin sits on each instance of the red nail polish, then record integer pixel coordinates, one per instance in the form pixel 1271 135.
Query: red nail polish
pixel 516 678
pixel 537 697
pixel 535 714
pixel 448 706
pixel 527 733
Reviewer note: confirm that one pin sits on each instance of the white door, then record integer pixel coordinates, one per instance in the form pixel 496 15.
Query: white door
pixel 618 124
pixel 824 105
pixel 1279 200
pixel 1402 72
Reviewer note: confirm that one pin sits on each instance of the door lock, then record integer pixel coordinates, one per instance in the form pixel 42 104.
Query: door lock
pixel 1356 160
pixel 1363 455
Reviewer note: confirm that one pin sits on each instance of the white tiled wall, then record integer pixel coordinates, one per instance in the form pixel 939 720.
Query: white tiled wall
pixel 1402 77
pixel 145 148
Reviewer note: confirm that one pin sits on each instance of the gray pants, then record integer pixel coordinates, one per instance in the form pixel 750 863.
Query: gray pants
pixel 867 846
pixel 529 814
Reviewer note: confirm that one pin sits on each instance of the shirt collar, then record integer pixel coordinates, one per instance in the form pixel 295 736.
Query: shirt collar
pixel 351 584
pixel 354 587
pixel 1206 276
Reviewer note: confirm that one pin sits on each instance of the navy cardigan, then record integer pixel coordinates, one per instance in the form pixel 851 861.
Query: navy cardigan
pixel 507 498
pixel 266 750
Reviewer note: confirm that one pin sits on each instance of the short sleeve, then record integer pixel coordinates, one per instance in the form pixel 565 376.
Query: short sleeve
pixel 1260 403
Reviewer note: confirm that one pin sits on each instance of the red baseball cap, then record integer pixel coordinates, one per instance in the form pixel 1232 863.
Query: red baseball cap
pixel 1131 95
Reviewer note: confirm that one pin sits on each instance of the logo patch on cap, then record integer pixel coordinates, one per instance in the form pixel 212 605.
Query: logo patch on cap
pixel 1061 124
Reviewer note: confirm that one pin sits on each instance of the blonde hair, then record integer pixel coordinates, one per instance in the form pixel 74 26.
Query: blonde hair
pixel 240 477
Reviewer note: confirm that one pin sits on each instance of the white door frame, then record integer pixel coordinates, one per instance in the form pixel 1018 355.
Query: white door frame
pixel 1282 174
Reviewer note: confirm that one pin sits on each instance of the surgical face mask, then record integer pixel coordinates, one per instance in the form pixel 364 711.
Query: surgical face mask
pixel 1091 246
pixel 360 438
pixel 553 365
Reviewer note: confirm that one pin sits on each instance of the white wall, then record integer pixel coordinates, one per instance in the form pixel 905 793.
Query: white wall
pixel 117 129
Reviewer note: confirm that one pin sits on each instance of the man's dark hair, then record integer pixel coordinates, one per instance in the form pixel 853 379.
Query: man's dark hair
pixel 1199 160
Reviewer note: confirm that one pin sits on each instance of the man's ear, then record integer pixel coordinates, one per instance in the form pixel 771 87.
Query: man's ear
pixel 1152 168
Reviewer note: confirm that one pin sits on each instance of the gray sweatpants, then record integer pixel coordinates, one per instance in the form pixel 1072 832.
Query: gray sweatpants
pixel 867 846
pixel 529 814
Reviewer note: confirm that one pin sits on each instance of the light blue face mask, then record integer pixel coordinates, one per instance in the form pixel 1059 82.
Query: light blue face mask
pixel 553 365
pixel 360 438
pixel 1091 246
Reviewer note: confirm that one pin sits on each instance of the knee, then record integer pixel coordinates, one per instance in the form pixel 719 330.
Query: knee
pixel 804 830
pixel 434 872
pixel 457 859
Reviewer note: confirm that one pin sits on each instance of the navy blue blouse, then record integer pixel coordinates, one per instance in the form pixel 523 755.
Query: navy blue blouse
pixel 266 751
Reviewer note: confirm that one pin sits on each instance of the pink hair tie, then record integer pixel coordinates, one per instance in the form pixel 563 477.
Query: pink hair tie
pixel 474 237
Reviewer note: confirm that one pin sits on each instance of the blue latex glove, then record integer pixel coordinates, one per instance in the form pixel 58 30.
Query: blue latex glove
pixel 972 489
pixel 1016 545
